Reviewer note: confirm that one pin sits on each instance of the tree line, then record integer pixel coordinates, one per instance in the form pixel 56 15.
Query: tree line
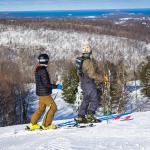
pixel 133 29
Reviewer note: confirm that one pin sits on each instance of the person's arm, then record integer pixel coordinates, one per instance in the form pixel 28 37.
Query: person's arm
pixel 88 67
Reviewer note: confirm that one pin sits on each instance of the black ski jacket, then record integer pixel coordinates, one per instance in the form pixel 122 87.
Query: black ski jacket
pixel 43 84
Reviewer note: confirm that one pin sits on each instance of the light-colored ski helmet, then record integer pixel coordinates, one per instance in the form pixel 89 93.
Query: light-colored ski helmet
pixel 86 48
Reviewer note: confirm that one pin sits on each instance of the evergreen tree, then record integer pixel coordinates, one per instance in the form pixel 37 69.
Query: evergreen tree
pixel 70 85
pixel 145 77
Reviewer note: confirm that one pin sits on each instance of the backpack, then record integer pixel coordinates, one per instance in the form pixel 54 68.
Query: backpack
pixel 79 63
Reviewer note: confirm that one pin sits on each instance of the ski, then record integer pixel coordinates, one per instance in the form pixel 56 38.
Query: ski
pixel 83 125
pixel 113 116
pixel 126 118
pixel 78 125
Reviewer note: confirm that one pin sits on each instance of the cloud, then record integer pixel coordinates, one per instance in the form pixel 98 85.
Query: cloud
pixel 71 4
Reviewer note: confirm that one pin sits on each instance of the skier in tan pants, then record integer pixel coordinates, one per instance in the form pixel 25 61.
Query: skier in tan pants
pixel 43 90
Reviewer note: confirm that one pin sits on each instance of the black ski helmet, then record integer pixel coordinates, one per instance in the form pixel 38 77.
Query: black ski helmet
pixel 43 59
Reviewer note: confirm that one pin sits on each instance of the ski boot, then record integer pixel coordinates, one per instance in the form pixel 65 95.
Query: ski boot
pixel 92 119
pixel 80 119
pixel 32 127
pixel 52 126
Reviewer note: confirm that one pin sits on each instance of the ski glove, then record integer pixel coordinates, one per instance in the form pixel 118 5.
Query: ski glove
pixel 105 79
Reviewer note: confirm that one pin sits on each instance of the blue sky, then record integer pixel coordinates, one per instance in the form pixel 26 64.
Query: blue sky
pixel 9 5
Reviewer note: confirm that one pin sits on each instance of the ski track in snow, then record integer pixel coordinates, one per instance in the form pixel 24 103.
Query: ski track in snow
pixel 116 135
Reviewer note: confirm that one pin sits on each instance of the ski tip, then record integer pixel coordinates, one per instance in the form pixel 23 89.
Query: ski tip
pixel 27 128
pixel 127 118
pixel 117 118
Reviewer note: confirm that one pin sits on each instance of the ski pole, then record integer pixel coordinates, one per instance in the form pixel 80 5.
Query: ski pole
pixel 56 95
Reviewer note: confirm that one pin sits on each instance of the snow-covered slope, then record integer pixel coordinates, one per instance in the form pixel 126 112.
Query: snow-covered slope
pixel 113 135
pixel 117 135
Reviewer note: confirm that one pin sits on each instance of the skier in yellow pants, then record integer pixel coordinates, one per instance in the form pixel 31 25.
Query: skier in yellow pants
pixel 43 90
pixel 45 101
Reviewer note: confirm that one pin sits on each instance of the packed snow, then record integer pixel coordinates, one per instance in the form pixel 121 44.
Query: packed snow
pixel 116 135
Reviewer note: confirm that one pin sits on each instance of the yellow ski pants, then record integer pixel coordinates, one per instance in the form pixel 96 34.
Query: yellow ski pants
pixel 45 101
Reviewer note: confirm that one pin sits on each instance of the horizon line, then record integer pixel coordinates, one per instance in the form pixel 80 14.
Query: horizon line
pixel 71 9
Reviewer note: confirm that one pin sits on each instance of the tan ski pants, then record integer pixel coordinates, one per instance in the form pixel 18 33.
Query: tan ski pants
pixel 45 101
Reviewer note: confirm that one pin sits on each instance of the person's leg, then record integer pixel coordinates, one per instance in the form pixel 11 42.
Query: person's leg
pixel 94 101
pixel 35 117
pixel 84 105
pixel 83 110
pixel 94 104
pixel 50 112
